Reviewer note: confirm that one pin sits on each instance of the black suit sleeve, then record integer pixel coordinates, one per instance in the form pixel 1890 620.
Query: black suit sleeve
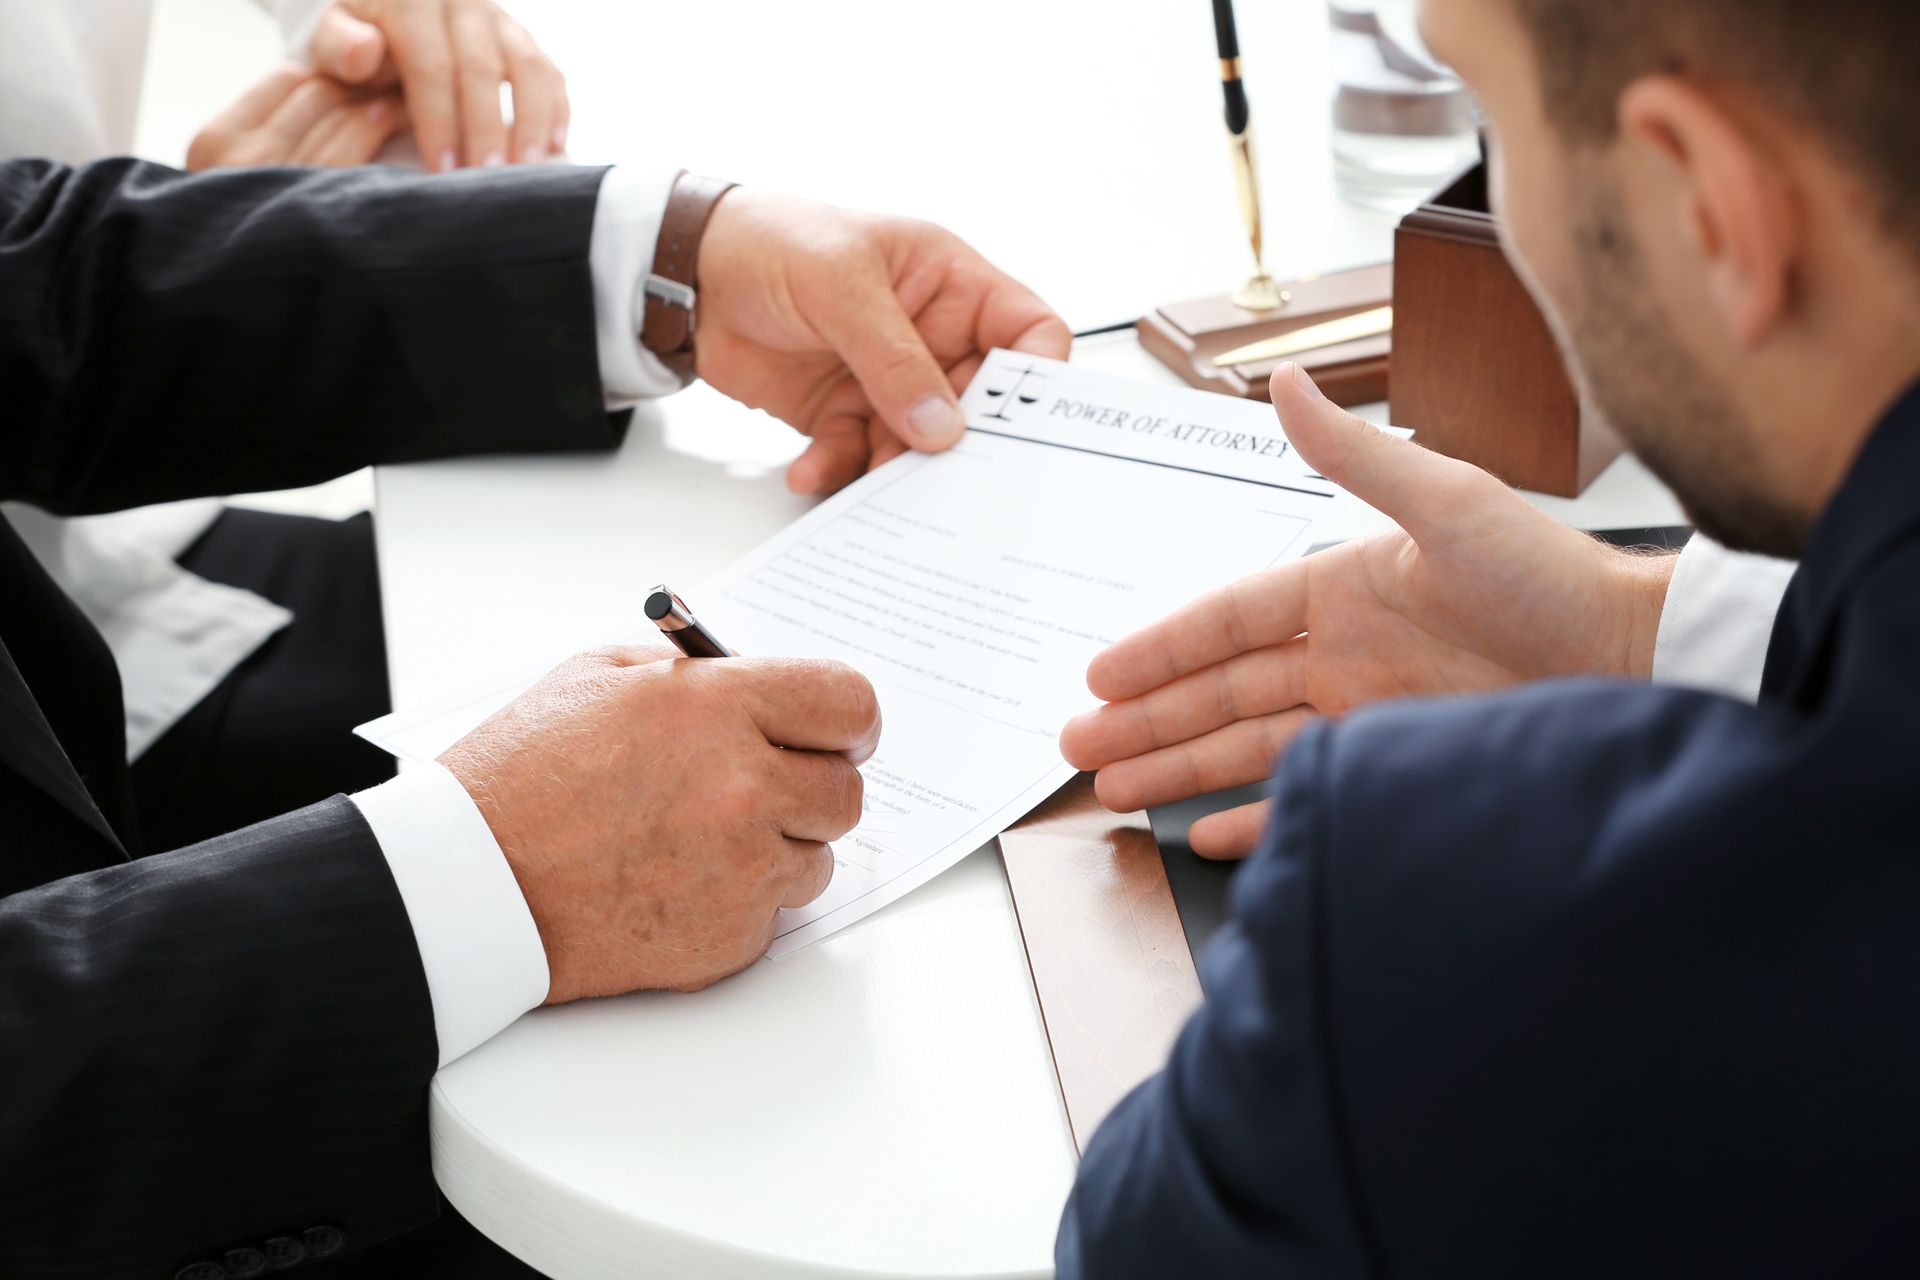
pixel 165 335
pixel 210 1049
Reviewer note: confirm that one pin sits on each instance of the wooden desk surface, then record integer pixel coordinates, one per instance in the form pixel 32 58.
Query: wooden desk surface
pixel 1110 961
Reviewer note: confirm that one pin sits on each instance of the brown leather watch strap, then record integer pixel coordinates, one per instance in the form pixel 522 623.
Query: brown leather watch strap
pixel 667 324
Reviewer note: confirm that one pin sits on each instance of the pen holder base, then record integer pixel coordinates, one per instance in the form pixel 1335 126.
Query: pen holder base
pixel 1186 336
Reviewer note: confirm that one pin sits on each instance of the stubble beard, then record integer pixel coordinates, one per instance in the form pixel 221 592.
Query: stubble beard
pixel 1634 374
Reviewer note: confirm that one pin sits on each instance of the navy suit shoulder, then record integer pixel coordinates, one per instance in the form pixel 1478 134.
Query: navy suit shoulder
pixel 1586 979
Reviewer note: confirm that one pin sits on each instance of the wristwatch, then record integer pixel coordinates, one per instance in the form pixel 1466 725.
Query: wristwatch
pixel 666 326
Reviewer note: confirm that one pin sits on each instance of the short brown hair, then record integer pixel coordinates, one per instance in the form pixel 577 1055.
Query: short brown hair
pixel 1844 68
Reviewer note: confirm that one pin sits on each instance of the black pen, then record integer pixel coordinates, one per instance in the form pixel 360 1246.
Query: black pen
pixel 677 623
pixel 1260 293
pixel 1226 36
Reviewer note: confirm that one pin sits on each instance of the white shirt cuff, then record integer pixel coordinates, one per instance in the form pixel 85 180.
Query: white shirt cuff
pixel 626 228
pixel 1718 619
pixel 478 943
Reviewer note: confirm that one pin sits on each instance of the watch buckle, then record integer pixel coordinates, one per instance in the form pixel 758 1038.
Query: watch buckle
pixel 671 292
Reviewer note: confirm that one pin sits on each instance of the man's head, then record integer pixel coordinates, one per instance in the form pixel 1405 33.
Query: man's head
pixel 1717 202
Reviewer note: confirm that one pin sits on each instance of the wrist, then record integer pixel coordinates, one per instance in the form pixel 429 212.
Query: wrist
pixel 493 797
pixel 669 318
pixel 1640 581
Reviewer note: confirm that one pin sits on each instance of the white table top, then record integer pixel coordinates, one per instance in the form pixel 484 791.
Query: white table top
pixel 883 1102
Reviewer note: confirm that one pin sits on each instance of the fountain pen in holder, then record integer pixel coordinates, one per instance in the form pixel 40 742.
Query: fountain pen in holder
pixel 1335 324
pixel 1259 293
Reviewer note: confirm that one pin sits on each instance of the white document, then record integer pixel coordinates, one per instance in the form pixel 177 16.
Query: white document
pixel 973 587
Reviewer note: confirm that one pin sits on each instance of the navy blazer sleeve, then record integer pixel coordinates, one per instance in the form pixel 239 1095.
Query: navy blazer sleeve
pixel 209 1049
pixel 1585 980
pixel 167 335
pixel 1230 1162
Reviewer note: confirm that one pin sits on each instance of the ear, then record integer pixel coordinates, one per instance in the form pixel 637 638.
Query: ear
pixel 1732 198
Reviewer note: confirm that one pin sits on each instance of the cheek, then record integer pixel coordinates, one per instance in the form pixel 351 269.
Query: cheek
pixel 1536 228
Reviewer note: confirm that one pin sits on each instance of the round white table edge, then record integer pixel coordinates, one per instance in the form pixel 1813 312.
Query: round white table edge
pixel 572 1236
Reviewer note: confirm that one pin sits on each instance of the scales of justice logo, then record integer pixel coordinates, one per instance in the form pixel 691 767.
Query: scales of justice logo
pixel 1024 390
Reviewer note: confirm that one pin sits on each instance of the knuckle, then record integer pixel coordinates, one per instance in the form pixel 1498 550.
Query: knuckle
pixel 818 869
pixel 482 67
pixel 1109 788
pixel 855 705
pixel 719 683
pixel 853 796
pixel 433 64
pixel 1226 701
pixel 736 797
pixel 599 659
pixel 864 702
pixel 333 93
pixel 899 356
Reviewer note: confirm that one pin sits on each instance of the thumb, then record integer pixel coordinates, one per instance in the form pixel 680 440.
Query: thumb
pixel 346 48
pixel 1392 475
pixel 906 386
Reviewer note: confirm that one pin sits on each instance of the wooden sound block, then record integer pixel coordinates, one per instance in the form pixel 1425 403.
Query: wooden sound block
pixel 1476 372
pixel 1186 336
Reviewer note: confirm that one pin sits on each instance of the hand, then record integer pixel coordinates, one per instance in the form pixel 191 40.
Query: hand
pixel 296 116
pixel 451 57
pixel 857 329
pixel 652 819
pixel 1478 590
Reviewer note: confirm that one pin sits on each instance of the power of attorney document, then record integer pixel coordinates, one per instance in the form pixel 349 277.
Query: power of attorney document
pixel 973 587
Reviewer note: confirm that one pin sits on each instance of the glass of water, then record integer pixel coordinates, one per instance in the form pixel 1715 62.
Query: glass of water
pixel 1402 123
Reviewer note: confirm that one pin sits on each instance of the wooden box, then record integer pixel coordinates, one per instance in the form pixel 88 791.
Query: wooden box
pixel 1475 370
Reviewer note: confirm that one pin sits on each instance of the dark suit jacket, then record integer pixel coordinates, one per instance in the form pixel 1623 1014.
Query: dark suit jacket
pixel 212 1048
pixel 1587 980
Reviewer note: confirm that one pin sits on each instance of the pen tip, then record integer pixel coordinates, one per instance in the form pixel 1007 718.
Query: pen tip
pixel 659 604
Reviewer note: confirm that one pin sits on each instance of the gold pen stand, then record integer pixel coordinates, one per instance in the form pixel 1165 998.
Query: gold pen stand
pixel 1186 336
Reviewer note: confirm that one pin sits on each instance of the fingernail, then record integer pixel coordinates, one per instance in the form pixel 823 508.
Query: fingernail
pixel 492 160
pixel 376 113
pixel 1302 381
pixel 560 137
pixel 934 420
pixel 534 154
pixel 446 162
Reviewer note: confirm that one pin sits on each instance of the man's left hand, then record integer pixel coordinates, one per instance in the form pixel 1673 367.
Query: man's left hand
pixel 857 329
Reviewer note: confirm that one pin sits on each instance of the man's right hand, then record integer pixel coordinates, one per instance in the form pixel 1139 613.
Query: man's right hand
pixel 658 812
pixel 1477 590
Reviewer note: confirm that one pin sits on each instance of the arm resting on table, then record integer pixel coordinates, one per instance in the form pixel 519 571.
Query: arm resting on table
pixel 165 335
pixel 206 1049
